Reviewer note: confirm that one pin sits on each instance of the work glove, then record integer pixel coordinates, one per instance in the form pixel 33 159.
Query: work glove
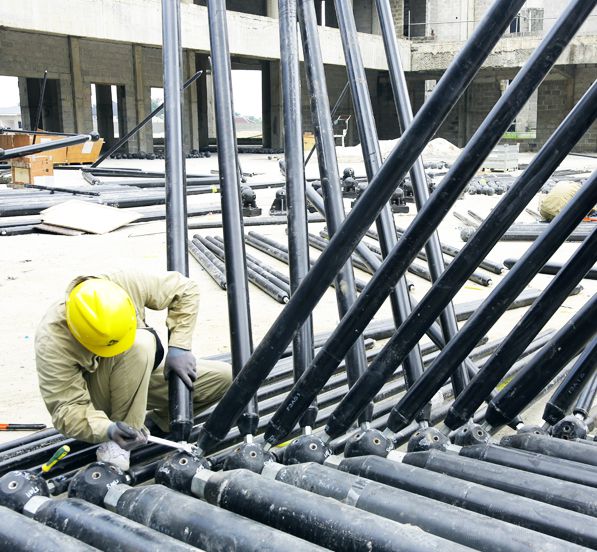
pixel 183 364
pixel 125 436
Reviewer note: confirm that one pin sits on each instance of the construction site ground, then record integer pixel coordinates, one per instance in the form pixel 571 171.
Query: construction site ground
pixel 35 270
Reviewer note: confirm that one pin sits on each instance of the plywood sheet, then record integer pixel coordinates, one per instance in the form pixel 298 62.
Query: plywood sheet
pixel 88 217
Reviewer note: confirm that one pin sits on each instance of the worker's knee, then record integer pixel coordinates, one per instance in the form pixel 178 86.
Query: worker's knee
pixel 141 356
pixel 213 381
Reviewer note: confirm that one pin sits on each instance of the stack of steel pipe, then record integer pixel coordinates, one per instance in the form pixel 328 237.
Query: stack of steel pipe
pixel 391 448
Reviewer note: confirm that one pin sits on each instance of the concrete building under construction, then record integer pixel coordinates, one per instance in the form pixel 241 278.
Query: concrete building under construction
pixel 103 59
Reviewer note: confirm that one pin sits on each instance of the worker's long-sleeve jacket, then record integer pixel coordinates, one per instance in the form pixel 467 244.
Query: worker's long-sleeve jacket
pixel 62 361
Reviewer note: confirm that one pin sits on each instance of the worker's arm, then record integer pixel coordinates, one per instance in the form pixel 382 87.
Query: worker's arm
pixel 64 390
pixel 170 290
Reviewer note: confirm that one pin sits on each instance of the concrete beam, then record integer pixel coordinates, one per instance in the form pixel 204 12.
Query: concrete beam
pixel 510 52
pixel 249 35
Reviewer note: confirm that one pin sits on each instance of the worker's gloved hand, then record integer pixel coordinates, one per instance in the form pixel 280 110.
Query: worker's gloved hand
pixel 125 436
pixel 183 364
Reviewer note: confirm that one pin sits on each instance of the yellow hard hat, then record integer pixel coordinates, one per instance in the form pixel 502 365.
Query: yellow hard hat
pixel 101 317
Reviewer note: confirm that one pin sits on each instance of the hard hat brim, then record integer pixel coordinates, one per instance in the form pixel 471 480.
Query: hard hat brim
pixel 109 351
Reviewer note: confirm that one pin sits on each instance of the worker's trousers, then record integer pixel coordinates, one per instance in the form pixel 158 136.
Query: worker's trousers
pixel 127 387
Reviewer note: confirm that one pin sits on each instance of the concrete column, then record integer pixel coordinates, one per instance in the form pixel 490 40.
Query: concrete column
pixel 272 105
pixel 271 8
pixel 24 103
pixel 81 100
pixel 397 7
pixel 143 141
pixel 191 112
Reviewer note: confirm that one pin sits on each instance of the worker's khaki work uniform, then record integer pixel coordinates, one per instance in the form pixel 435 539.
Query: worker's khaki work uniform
pixel 560 195
pixel 84 393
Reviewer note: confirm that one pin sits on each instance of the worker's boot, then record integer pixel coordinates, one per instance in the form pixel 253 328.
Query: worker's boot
pixel 110 452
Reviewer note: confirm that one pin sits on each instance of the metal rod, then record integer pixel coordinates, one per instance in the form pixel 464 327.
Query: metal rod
pixel 399 297
pixel 46 146
pixel 40 103
pixel 180 396
pixel 565 345
pixel 330 179
pixel 334 111
pixel 119 143
pixel 239 314
pixel 553 268
pixel 418 178
pixel 453 83
pixel 298 246
pixel 522 334
pixel 414 238
pixel 208 265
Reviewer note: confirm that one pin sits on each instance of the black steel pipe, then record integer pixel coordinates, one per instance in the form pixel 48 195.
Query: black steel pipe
pixel 522 334
pixel 330 179
pixel 571 387
pixel 251 266
pixel 564 494
pixel 21 534
pixel 255 261
pixel 280 252
pixel 429 118
pixel 197 523
pixel 553 268
pixel 444 520
pixel 179 395
pixel 580 451
pixel 417 176
pixel 265 283
pixel 99 528
pixel 525 512
pixel 315 518
pixel 216 274
pixel 239 315
pixel 587 396
pixel 119 143
pixel 471 158
pixel 47 146
pixel 528 383
pixel 535 463
pixel 250 221
pixel 298 246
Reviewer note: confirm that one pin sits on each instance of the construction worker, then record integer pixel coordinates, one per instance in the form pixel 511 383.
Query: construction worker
pixel 100 366
pixel 557 198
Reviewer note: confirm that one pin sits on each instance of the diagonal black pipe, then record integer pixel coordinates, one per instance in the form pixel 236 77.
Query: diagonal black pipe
pixel 298 244
pixel 455 80
pixel 47 146
pixel 445 195
pixel 237 288
pixel 579 376
pixel 529 382
pixel 522 334
pixel 356 360
pixel 496 304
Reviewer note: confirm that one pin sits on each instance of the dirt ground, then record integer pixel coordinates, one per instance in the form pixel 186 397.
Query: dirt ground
pixel 35 269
